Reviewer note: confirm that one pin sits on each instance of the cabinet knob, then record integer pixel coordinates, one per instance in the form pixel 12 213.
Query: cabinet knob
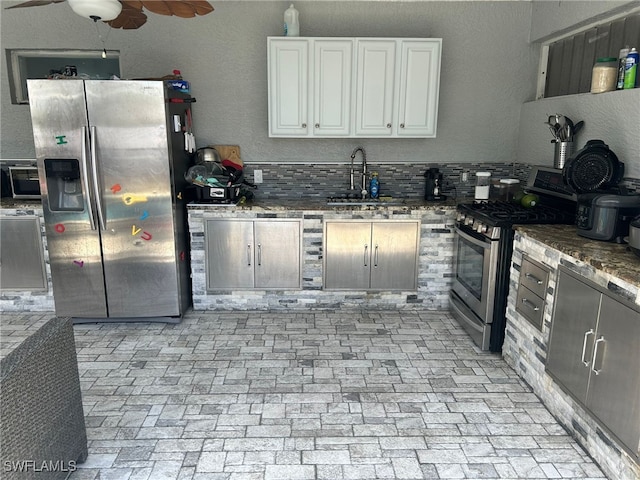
pixel 304 125
pixel 317 125
pixel 388 125
pixel 402 125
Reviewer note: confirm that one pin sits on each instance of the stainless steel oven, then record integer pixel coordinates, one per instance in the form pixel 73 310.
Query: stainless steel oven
pixel 473 289
pixel 483 249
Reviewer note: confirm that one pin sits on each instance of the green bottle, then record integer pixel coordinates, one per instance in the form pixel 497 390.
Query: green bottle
pixel 630 69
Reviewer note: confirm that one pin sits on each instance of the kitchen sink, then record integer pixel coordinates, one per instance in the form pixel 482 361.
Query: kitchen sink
pixel 366 202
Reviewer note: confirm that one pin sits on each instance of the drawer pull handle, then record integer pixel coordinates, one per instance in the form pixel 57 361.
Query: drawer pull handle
pixel 259 255
pixel 533 277
pixel 366 254
pixel 249 255
pixel 530 304
pixel 595 355
pixel 584 346
pixel 375 257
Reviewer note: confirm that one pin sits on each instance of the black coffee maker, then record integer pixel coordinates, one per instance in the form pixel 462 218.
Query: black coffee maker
pixel 433 185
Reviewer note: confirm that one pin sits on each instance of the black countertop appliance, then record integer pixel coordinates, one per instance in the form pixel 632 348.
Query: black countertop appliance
pixel 606 217
pixel 433 185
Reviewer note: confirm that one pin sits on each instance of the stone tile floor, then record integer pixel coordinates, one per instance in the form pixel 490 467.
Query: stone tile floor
pixel 318 395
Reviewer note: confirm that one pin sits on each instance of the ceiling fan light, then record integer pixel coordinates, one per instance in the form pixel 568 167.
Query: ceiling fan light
pixel 104 10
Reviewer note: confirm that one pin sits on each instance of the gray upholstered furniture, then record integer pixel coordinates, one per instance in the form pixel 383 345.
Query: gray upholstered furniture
pixel 42 429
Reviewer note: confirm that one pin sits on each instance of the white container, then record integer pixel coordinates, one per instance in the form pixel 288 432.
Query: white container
pixel 511 186
pixel 291 22
pixel 483 185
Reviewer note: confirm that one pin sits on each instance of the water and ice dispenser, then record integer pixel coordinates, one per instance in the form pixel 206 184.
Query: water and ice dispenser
pixel 64 184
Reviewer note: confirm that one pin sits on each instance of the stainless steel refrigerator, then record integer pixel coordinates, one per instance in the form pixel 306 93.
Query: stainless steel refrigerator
pixel 111 160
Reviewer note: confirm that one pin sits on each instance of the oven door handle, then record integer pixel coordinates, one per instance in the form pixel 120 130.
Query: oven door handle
pixel 481 242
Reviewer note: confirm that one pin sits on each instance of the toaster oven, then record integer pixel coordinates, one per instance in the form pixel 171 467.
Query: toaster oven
pixel 24 182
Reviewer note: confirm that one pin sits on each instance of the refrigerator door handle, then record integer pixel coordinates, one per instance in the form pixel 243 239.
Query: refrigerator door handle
pixel 85 179
pixel 96 186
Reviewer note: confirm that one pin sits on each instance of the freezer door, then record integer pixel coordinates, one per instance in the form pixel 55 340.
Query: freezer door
pixel 59 118
pixel 131 151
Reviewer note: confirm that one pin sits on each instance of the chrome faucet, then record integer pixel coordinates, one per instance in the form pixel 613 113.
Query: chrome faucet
pixel 363 191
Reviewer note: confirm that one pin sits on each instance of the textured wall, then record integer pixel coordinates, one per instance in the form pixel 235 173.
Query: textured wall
pixel 486 71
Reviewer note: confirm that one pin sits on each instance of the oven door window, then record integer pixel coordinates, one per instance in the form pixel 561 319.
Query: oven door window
pixel 470 267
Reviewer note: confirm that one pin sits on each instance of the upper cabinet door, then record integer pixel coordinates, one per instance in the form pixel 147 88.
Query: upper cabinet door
pixel 419 87
pixel 332 87
pixel 353 87
pixel 375 87
pixel 288 66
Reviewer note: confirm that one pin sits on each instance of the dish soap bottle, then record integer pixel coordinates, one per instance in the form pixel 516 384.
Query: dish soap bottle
pixel 291 23
pixel 374 185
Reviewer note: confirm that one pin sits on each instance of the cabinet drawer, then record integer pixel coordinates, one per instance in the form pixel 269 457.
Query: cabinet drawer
pixel 530 305
pixel 534 277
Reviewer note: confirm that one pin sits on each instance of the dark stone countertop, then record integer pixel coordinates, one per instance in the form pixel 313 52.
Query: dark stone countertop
pixel 613 258
pixel 18 203
pixel 320 204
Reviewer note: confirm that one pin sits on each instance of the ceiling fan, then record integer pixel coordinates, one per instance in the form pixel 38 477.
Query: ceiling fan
pixel 128 14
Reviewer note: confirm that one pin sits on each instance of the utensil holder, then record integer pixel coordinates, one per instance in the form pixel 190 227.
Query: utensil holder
pixel 562 152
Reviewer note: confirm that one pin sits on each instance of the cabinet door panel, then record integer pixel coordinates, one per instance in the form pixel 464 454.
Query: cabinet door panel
pixel 277 261
pixel 332 87
pixel 576 313
pixel 394 262
pixel 614 394
pixel 288 87
pixel 21 254
pixel 347 255
pixel 229 254
pixel 375 86
pixel 419 85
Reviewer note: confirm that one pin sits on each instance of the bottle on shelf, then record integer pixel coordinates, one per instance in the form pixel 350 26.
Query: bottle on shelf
pixel 630 69
pixel 291 22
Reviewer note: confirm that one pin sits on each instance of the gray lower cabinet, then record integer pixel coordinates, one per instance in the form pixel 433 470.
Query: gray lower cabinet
pixel 378 255
pixel 594 353
pixel 246 254
pixel 531 291
pixel 21 254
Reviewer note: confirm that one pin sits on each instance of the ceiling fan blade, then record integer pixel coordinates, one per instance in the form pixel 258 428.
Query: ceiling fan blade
pixel 178 8
pixel 131 16
pixel 35 3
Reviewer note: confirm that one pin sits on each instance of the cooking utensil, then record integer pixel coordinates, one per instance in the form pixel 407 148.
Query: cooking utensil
pixel 594 167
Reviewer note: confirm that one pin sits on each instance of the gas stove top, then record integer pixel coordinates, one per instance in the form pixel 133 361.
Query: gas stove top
pixel 490 218
pixel 504 214
pixel 556 205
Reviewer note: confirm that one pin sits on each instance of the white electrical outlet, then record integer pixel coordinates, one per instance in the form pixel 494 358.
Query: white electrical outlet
pixel 464 178
pixel 257 176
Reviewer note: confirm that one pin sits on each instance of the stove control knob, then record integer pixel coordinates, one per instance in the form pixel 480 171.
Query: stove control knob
pixel 482 228
pixel 460 217
pixel 468 221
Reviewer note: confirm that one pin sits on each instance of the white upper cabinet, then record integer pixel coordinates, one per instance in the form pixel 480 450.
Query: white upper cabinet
pixel 332 87
pixel 375 86
pixel 353 87
pixel 288 87
pixel 419 86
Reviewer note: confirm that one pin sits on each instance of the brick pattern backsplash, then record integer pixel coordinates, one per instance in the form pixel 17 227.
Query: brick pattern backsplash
pixel 396 180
